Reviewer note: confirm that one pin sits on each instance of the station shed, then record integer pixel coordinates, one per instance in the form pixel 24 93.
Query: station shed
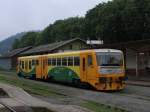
pixel 137 56
pixel 8 60
pixel 61 46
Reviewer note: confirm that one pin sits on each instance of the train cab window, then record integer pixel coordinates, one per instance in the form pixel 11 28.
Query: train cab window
pixel 30 65
pixel 54 61
pixel 70 61
pixel 58 61
pixel 90 60
pixel 49 61
pixel 37 62
pixel 76 61
pixel 64 61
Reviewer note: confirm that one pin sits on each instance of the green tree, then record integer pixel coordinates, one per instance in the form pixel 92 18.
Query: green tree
pixel 115 21
pixel 16 44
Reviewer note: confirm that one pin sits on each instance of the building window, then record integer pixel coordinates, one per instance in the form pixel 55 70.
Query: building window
pixel 76 61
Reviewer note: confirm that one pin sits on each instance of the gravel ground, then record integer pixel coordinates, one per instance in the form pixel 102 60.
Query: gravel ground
pixel 21 100
pixel 132 98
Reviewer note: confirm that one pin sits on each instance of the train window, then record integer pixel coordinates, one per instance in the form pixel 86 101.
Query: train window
pixel 76 61
pixel 33 62
pixel 30 65
pixel 90 60
pixel 54 61
pixel 58 61
pixel 26 64
pixel 22 64
pixel 64 61
pixel 37 62
pixel 70 61
pixel 49 61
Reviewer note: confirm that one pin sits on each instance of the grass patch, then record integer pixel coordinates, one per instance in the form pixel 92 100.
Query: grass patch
pixel 30 86
pixel 97 107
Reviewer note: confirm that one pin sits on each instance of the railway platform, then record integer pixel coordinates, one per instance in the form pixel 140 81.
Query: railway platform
pixel 17 100
pixel 139 81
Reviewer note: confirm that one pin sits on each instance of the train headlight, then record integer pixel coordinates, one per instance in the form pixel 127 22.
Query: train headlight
pixel 103 71
pixel 120 71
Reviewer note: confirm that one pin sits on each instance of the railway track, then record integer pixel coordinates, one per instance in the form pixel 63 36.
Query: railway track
pixel 16 109
pixel 9 108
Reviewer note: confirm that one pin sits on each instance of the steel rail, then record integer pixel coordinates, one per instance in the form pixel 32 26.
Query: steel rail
pixel 8 107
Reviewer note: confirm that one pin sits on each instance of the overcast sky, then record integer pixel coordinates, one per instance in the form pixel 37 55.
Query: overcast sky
pixel 25 15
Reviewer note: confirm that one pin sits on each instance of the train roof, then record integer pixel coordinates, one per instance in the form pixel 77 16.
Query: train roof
pixel 107 50
pixel 74 52
pixel 91 50
pixel 25 57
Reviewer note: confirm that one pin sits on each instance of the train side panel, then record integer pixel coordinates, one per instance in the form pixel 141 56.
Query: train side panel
pixel 73 67
pixel 89 68
pixel 41 67
pixel 65 69
pixel 26 68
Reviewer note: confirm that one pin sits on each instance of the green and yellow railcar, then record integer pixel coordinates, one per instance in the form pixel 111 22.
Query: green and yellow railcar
pixel 103 68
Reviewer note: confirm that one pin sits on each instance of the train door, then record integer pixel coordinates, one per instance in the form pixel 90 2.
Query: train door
pixel 44 68
pixel 90 67
pixel 83 67
pixel 38 68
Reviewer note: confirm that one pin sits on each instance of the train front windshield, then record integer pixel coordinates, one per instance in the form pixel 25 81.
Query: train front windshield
pixel 110 59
